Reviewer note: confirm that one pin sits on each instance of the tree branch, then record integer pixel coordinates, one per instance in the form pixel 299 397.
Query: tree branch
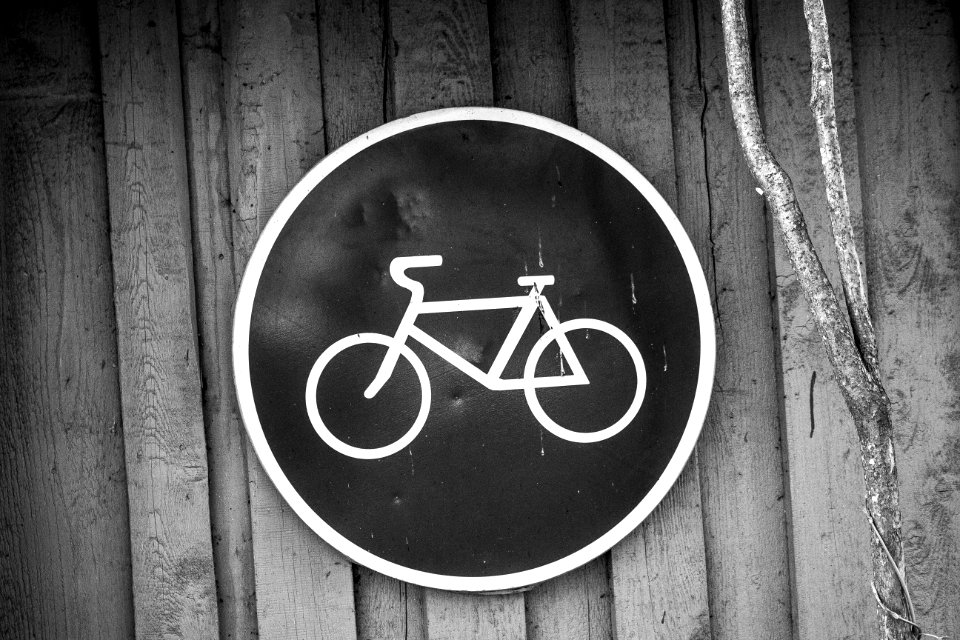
pixel 831 322
pixel 824 112
pixel 852 349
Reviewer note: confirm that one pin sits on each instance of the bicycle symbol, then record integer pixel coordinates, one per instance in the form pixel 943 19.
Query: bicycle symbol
pixel 529 383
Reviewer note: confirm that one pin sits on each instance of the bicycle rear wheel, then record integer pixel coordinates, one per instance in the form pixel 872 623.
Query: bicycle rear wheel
pixel 530 391
pixel 362 453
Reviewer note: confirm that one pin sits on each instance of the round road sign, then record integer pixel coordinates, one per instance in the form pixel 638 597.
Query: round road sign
pixel 473 349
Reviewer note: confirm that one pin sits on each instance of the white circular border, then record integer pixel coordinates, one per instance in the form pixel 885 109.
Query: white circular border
pixel 241 362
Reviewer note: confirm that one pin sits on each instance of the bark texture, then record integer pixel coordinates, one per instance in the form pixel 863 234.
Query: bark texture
pixel 848 338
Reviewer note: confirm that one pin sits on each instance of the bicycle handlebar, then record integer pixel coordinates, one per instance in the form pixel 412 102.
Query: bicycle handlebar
pixel 535 281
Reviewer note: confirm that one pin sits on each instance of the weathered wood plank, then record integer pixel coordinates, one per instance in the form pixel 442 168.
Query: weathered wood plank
pixel 304 587
pixel 906 81
pixel 441 58
pixel 387 608
pixel 622 84
pixel 531 72
pixel 64 531
pixel 531 58
pixel 441 55
pixel 356 95
pixel 830 543
pixel 216 288
pixel 659 572
pixel 353 65
pixel 575 605
pixel 173 577
pixel 741 471
pixel 451 615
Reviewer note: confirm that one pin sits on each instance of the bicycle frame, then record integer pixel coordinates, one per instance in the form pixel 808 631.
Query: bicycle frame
pixel 528 304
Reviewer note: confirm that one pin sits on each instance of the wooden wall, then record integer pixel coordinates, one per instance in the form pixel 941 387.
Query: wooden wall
pixel 142 147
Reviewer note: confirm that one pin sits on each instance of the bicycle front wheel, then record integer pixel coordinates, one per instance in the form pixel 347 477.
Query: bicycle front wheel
pixel 313 410
pixel 530 390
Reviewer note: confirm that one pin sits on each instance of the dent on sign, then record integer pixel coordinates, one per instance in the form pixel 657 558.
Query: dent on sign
pixel 451 346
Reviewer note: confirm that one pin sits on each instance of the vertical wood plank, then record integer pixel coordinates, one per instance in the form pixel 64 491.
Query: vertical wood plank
pixel 215 292
pixel 622 84
pixel 441 58
pixel 64 531
pixel 531 72
pixel 531 58
pixel 906 81
pixel 387 608
pixel 573 606
pixel 451 615
pixel 356 95
pixel 830 542
pixel 741 471
pixel 441 55
pixel 622 98
pixel 173 578
pixel 304 587
pixel 353 66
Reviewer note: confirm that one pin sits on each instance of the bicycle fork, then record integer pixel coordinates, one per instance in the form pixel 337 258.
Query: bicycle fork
pixel 393 353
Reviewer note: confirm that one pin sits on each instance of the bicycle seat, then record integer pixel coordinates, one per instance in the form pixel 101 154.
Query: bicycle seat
pixel 401 264
pixel 535 281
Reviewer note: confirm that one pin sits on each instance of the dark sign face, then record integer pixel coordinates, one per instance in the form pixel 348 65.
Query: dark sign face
pixel 473 349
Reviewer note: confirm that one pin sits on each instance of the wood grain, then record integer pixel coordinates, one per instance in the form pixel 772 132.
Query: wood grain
pixel 216 287
pixel 354 65
pixel 67 567
pixel 530 54
pixel 830 543
pixel 173 577
pixel 441 55
pixel 64 531
pixel 621 80
pixel 354 68
pixel 387 608
pixel 741 471
pixel 658 573
pixel 450 615
pixel 275 129
pixel 532 72
pixel 441 58
pixel 575 605
pixel 906 81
